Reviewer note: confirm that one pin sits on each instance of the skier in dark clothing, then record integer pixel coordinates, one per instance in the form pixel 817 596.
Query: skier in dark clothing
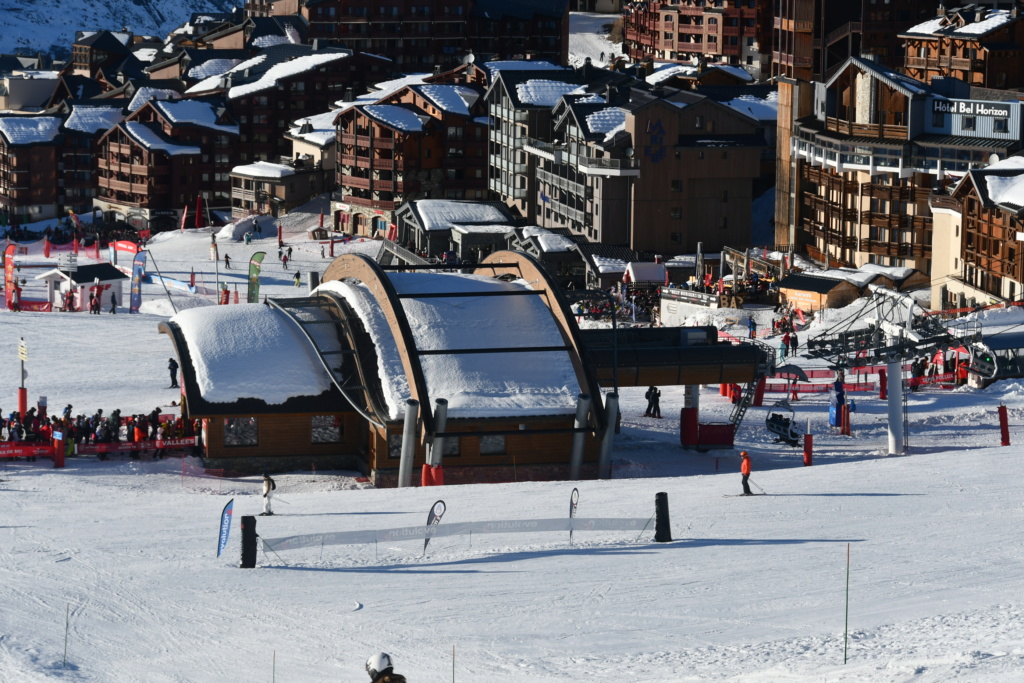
pixel 227 262
pixel 653 397
pixel 113 302
pixel 268 492
pixel 172 366
pixel 381 669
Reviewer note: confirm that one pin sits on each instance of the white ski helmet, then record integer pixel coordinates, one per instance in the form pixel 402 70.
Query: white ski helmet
pixel 378 665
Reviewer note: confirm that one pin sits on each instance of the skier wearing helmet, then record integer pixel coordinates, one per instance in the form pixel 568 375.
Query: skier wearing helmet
pixel 380 667
pixel 172 367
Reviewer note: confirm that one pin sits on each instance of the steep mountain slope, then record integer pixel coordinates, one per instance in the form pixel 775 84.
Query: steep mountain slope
pixel 50 25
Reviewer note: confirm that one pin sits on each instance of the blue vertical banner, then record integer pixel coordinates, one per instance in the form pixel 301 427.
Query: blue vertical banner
pixel 225 526
pixel 138 272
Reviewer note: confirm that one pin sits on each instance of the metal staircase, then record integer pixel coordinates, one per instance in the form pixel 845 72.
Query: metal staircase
pixel 765 367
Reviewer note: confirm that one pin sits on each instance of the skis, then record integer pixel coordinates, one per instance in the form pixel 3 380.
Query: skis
pixel 742 495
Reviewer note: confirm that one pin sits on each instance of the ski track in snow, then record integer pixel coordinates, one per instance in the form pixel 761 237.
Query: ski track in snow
pixel 751 589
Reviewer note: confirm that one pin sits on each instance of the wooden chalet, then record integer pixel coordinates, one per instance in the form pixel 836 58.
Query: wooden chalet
pixel 810 293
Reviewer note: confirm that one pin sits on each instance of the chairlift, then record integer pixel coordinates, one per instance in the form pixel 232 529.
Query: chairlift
pixel 781 422
pixel 983 362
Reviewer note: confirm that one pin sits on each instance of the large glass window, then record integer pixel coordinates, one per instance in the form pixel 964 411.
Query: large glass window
pixel 492 445
pixel 241 431
pixel 327 429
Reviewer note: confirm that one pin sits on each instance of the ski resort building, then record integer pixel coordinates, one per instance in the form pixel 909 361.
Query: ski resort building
pixel 489 366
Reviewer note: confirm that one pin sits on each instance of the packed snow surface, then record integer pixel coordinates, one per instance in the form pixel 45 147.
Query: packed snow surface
pixel 121 555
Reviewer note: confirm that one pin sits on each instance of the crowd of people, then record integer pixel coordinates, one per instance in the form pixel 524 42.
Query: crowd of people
pixel 36 426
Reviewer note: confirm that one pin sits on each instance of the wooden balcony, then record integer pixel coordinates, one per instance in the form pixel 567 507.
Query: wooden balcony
pixel 371 203
pixel 355 181
pixel 894 249
pixel 866 130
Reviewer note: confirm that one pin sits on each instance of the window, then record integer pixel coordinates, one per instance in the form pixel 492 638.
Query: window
pixel 698 122
pixel 241 431
pixel 675 212
pixel 723 223
pixel 999 125
pixel 938 119
pixel 677 185
pixel 492 445
pixel 725 195
pixel 676 237
pixel 969 123
pixel 326 429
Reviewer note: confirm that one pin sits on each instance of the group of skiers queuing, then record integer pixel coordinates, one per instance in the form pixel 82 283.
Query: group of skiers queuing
pixel 96 429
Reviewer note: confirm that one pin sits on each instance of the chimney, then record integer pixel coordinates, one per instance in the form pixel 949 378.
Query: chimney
pixel 980 14
pixel 437 69
pixel 942 11
pixel 315 45
pixel 658 258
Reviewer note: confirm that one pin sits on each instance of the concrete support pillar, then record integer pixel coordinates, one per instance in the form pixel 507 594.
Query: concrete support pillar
pixel 578 438
pixel 412 413
pixel 604 464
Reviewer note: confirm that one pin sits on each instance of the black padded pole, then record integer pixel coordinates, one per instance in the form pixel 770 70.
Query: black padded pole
pixel 248 542
pixel 662 526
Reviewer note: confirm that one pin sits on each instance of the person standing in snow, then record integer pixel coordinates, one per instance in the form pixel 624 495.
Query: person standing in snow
pixel 794 342
pixel 745 471
pixel 172 367
pixel 653 397
pixel 298 279
pixel 381 669
pixel 113 303
pixel 227 262
pixel 752 327
pixel 284 261
pixel 268 493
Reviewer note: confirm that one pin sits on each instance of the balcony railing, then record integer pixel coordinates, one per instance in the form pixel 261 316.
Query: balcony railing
pixel 866 130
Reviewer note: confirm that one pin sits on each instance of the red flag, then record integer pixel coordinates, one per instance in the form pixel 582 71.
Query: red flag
pixel 321 219
pixel 199 211
pixel 667 281
pixel 46 248
pixel 184 215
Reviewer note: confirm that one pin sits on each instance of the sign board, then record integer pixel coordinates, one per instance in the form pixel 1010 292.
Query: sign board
pixel 59 436
pixel 23 350
pixel 971 108
pixel 689 296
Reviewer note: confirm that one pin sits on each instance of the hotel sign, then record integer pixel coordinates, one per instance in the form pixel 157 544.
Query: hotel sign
pixel 971 108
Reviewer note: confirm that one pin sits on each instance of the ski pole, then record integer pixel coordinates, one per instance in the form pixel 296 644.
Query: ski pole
pixel 758 487
pixel 281 500
pixel 263 545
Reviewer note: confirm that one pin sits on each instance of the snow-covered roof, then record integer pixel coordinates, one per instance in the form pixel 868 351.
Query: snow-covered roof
pixel 607 265
pixel 667 71
pixel 385 88
pixel 195 112
pixel 608 121
pixel 292 67
pixel 27 130
pixel 146 93
pixel 993 20
pixel 476 385
pixel 92 119
pixel 547 240
pixel 146 54
pixel 212 67
pixel 213 82
pixel 323 132
pixel 499 65
pixel 225 351
pixel 264 169
pixel 646 271
pixel 543 92
pixel 480 229
pixel 445 214
pixel 735 71
pixel 152 140
pixel 455 99
pixel 759 108
pixel 394 116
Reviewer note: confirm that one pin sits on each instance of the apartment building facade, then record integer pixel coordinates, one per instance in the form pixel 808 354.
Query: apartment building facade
pixel 735 32
pixel 876 148
pixel 977 44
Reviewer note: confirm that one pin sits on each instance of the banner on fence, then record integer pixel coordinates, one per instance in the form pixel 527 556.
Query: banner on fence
pixel 138 272
pixel 818 388
pixel 121 446
pixel 412 533
pixel 20 449
pixel 252 295
pixel 225 526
